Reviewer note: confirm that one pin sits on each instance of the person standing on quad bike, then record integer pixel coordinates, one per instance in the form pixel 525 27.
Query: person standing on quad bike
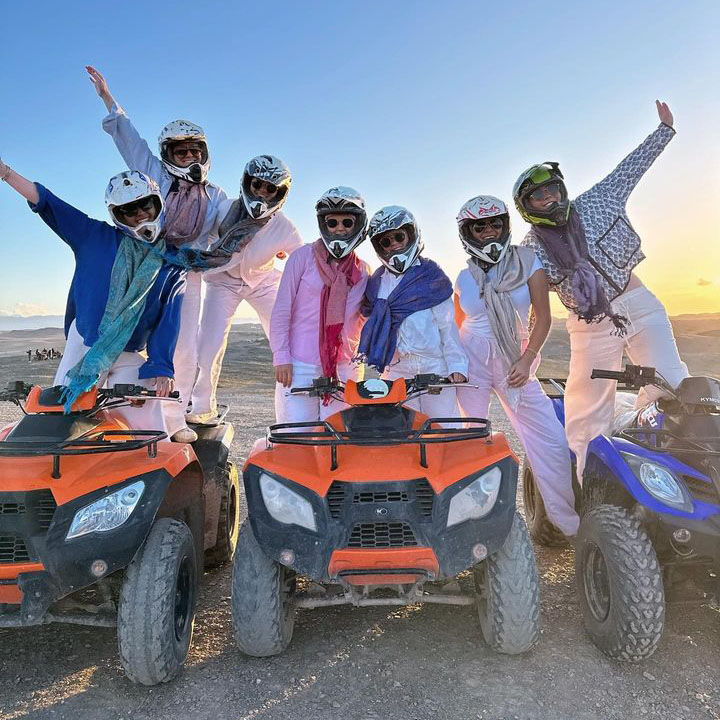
pixel 124 298
pixel 493 297
pixel 589 249
pixel 410 328
pixel 191 211
pixel 253 232
pixel 315 323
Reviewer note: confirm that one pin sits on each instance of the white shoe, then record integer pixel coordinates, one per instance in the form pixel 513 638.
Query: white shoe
pixel 208 418
pixel 186 435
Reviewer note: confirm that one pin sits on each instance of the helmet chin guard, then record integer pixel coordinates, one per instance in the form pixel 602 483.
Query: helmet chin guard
pixel 184 131
pixel 394 217
pixel 481 207
pixel 128 187
pixel 342 200
pixel 271 169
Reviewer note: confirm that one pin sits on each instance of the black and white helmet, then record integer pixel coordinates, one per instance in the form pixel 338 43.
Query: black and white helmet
pixel 478 209
pixel 395 217
pixel 268 169
pixel 132 189
pixel 184 131
pixel 344 200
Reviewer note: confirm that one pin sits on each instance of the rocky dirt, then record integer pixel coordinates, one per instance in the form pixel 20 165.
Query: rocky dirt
pixel 416 662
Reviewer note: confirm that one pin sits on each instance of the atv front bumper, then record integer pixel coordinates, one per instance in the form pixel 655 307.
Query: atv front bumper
pixel 62 567
pixel 391 528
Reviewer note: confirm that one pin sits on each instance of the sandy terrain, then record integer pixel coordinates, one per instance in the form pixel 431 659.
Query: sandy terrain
pixel 414 662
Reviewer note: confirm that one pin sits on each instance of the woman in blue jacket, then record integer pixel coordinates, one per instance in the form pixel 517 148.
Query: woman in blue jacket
pixel 124 297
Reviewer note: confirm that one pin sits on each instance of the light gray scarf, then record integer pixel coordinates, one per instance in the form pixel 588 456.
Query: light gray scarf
pixel 513 271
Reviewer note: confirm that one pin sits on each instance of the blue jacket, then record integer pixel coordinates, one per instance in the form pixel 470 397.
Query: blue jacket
pixel 95 244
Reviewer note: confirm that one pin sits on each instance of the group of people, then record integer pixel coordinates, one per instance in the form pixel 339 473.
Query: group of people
pixel 44 354
pixel 166 278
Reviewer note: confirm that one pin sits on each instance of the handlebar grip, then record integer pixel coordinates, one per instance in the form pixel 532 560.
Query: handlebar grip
pixel 608 375
pixel 301 390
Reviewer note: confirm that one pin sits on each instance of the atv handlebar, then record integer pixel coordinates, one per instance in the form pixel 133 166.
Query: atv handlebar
pixel 635 377
pixel 122 390
pixel 620 376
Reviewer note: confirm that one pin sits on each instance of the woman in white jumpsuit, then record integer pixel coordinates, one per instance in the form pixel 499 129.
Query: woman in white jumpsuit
pixel 411 323
pixel 192 206
pixel 493 296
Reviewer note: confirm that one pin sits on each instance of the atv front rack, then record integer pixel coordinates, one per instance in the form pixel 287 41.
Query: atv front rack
pixel 640 436
pixel 424 435
pixel 90 444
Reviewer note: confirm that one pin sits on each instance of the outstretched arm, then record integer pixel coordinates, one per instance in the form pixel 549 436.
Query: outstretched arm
pixel 101 86
pixel 623 179
pixel 17 182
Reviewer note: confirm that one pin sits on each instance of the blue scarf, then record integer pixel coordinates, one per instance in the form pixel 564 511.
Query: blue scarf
pixel 134 271
pixel 423 286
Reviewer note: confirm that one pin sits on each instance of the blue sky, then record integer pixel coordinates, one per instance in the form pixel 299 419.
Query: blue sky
pixel 423 104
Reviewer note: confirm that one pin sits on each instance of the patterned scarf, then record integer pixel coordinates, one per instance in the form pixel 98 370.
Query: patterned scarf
pixel 567 249
pixel 423 286
pixel 185 209
pixel 338 277
pixel 134 271
pixel 513 271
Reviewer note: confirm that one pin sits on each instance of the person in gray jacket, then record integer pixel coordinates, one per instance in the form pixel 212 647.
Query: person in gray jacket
pixel 589 249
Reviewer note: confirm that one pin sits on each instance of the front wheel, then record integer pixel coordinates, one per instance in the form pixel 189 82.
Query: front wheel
pixel 156 610
pixel 508 590
pixel 542 531
pixel 263 592
pixel 228 520
pixel 619 584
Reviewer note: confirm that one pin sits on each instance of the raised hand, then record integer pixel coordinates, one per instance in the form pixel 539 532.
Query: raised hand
pixel 101 86
pixel 666 117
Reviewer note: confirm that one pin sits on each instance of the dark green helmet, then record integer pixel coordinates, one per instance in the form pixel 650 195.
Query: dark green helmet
pixel 534 178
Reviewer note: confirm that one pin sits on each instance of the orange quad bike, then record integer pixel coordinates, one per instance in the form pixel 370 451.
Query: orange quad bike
pixel 104 525
pixel 381 498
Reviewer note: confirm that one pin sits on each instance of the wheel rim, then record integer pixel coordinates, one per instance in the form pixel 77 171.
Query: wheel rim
pixel 184 590
pixel 529 494
pixel 596 583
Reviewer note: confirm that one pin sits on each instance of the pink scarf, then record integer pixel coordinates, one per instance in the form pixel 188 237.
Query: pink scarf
pixel 338 277
pixel 185 208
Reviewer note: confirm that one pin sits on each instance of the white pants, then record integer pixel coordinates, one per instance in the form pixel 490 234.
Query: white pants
pixel 185 357
pixel 301 407
pixel 442 405
pixel 149 416
pixel 223 295
pixel 590 404
pixel 531 413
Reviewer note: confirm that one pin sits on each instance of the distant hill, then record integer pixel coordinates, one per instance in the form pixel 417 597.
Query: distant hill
pixel 31 322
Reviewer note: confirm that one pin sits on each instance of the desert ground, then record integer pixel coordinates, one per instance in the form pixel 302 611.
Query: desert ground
pixel 416 662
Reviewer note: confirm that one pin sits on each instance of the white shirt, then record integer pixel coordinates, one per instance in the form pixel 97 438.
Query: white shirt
pixel 476 319
pixel 429 334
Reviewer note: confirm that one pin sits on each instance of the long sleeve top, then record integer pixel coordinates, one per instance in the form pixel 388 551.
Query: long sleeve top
pixel 295 319
pixel 137 156
pixel 95 244
pixel 255 263
pixel 430 335
pixel 613 245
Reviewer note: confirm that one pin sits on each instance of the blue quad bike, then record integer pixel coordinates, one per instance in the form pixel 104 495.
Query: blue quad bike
pixel 649 507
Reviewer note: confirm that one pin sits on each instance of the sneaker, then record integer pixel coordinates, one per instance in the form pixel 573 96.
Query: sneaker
pixel 186 435
pixel 208 418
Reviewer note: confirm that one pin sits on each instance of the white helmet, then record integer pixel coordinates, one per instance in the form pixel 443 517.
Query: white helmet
pixel 342 199
pixel 184 131
pixel 394 217
pixel 480 208
pixel 129 187
pixel 269 169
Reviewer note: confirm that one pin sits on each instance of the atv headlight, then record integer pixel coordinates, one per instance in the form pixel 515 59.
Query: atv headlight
pixel 477 499
pixel 108 513
pixel 659 482
pixel 285 505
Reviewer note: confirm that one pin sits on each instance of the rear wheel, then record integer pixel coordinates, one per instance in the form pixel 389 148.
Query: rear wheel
pixel 263 592
pixel 509 594
pixel 228 520
pixel 619 583
pixel 542 531
pixel 156 610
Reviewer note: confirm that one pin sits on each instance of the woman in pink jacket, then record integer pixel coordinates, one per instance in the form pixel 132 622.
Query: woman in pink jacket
pixel 315 323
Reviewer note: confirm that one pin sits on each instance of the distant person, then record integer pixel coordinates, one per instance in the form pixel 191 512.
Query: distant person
pixel 315 323
pixel 124 298
pixel 192 204
pixel 29 354
pixel 493 299
pixel 589 249
pixel 253 232
pixel 410 327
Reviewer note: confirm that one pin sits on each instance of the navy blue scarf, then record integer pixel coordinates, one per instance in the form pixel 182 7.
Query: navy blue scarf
pixel 423 286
